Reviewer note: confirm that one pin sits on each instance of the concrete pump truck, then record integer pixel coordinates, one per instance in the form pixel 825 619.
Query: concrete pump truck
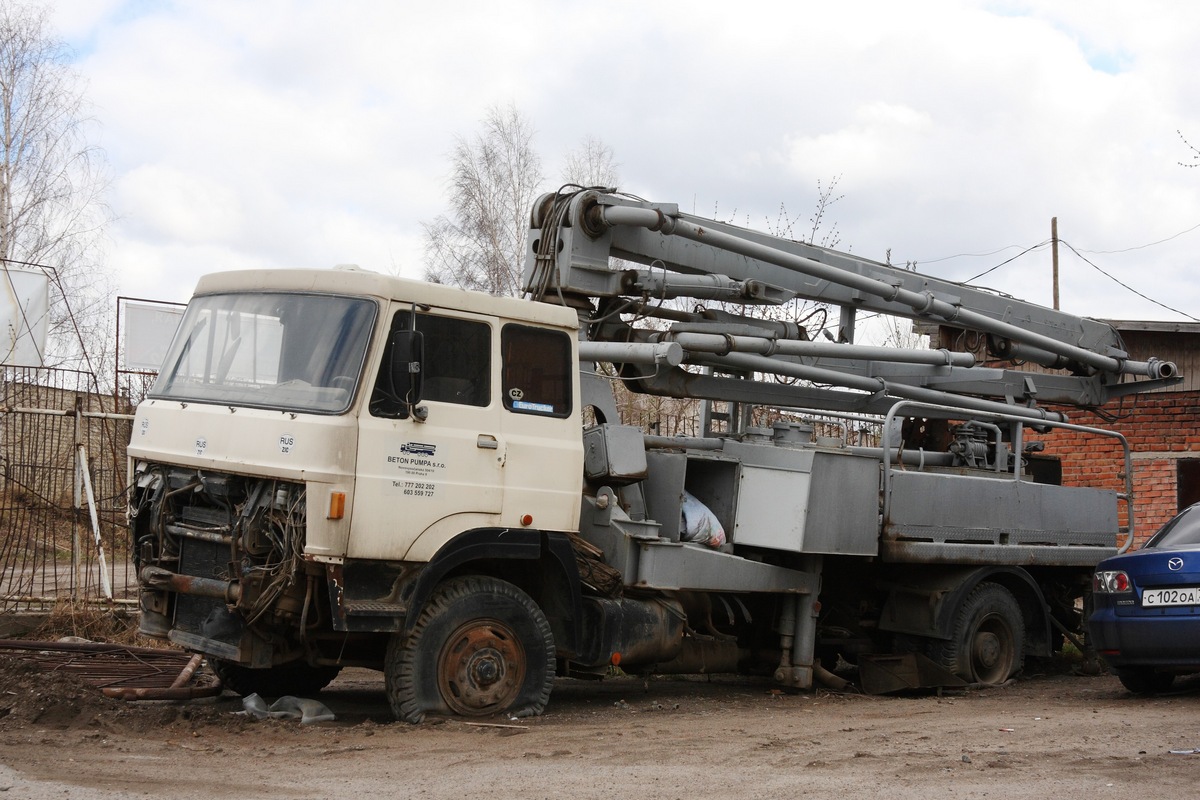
pixel 337 467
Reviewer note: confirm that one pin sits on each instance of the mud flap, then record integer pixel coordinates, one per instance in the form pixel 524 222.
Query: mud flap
pixel 884 674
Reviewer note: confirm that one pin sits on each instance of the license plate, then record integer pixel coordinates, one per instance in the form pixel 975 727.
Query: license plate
pixel 1183 596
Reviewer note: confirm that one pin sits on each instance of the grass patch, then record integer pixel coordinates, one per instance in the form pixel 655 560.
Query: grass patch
pixel 94 623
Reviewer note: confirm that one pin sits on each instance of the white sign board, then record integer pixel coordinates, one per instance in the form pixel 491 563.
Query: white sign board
pixel 24 316
pixel 148 331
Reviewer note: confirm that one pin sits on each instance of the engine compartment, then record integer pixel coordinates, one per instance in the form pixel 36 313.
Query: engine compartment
pixel 221 561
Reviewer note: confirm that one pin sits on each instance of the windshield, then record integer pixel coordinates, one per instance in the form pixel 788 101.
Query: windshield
pixel 1182 531
pixel 296 352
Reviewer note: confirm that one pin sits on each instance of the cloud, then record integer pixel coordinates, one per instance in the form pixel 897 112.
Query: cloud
pixel 301 134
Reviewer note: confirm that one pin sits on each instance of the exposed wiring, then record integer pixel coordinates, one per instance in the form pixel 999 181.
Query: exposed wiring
pixel 823 311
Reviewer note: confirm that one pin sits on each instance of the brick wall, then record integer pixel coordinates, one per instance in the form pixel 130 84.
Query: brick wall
pixel 1162 429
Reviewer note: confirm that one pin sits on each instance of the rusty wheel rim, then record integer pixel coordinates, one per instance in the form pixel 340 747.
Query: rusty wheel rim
pixel 481 668
pixel 991 650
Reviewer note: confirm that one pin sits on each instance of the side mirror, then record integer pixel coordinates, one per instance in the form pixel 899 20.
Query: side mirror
pixel 408 352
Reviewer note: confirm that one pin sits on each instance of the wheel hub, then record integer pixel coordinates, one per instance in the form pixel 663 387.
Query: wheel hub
pixel 486 667
pixel 987 650
pixel 481 668
pixel 991 651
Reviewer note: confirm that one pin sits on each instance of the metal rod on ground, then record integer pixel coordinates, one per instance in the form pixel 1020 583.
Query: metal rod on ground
pixel 1071 637
pixel 188 672
pixel 49 600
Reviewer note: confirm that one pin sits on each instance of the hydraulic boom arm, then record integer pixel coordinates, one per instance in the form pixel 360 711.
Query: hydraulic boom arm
pixel 575 237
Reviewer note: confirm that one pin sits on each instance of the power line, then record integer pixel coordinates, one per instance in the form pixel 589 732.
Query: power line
pixel 1080 250
pixel 1043 244
pixel 1039 246
pixel 1125 285
pixel 969 255
pixel 1137 247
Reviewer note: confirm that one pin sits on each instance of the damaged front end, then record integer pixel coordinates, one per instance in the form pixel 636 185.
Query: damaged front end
pixel 221 567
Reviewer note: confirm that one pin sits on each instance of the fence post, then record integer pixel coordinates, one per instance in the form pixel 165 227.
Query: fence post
pixel 76 503
pixel 83 467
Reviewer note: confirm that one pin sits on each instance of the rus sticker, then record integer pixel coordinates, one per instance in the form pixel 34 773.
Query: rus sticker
pixel 286 443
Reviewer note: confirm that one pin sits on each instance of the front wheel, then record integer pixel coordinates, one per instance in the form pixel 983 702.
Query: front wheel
pixel 481 646
pixel 988 642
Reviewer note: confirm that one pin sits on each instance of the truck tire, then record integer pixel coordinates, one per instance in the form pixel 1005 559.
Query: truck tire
pixel 1145 680
pixel 481 646
pixel 296 678
pixel 988 641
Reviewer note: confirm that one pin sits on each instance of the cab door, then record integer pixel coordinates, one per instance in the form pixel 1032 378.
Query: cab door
pixel 541 426
pixel 445 473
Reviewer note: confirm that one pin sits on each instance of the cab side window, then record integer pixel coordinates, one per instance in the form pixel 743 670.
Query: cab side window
pixel 537 371
pixel 458 355
pixel 456 365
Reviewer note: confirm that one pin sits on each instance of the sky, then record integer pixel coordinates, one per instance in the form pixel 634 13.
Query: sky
pixel 309 133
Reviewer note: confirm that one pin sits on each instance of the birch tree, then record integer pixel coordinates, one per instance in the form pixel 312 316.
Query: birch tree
pixel 495 177
pixel 592 164
pixel 52 212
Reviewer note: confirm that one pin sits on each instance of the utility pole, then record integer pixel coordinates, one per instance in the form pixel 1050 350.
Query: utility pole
pixel 1054 251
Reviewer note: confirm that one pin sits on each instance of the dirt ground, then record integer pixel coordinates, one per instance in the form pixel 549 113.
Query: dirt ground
pixel 1052 735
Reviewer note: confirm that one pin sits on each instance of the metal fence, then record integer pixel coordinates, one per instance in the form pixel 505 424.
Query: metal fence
pixel 63 533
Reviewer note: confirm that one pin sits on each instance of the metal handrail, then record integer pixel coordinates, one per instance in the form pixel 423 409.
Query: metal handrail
pixel 950 412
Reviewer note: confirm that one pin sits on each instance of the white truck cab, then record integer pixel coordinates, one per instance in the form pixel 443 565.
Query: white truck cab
pixel 300 431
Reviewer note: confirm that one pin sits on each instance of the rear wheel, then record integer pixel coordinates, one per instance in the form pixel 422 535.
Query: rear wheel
pixel 296 678
pixel 988 642
pixel 481 646
pixel 1145 680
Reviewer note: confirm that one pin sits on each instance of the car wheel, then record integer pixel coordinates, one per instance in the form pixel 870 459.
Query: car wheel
pixel 296 678
pixel 988 641
pixel 481 646
pixel 1145 680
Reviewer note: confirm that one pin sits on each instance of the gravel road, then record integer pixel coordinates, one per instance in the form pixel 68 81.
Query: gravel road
pixel 1042 736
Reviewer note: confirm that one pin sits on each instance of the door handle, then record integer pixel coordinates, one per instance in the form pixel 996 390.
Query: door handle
pixel 485 441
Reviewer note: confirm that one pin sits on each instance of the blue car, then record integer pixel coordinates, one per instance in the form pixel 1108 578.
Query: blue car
pixel 1146 618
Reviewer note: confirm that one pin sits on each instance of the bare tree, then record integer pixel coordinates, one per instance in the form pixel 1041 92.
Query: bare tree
pixel 784 224
pixel 495 179
pixel 52 212
pixel 592 164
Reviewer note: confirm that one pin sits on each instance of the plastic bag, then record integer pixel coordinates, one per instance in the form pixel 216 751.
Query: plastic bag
pixel 287 707
pixel 699 524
